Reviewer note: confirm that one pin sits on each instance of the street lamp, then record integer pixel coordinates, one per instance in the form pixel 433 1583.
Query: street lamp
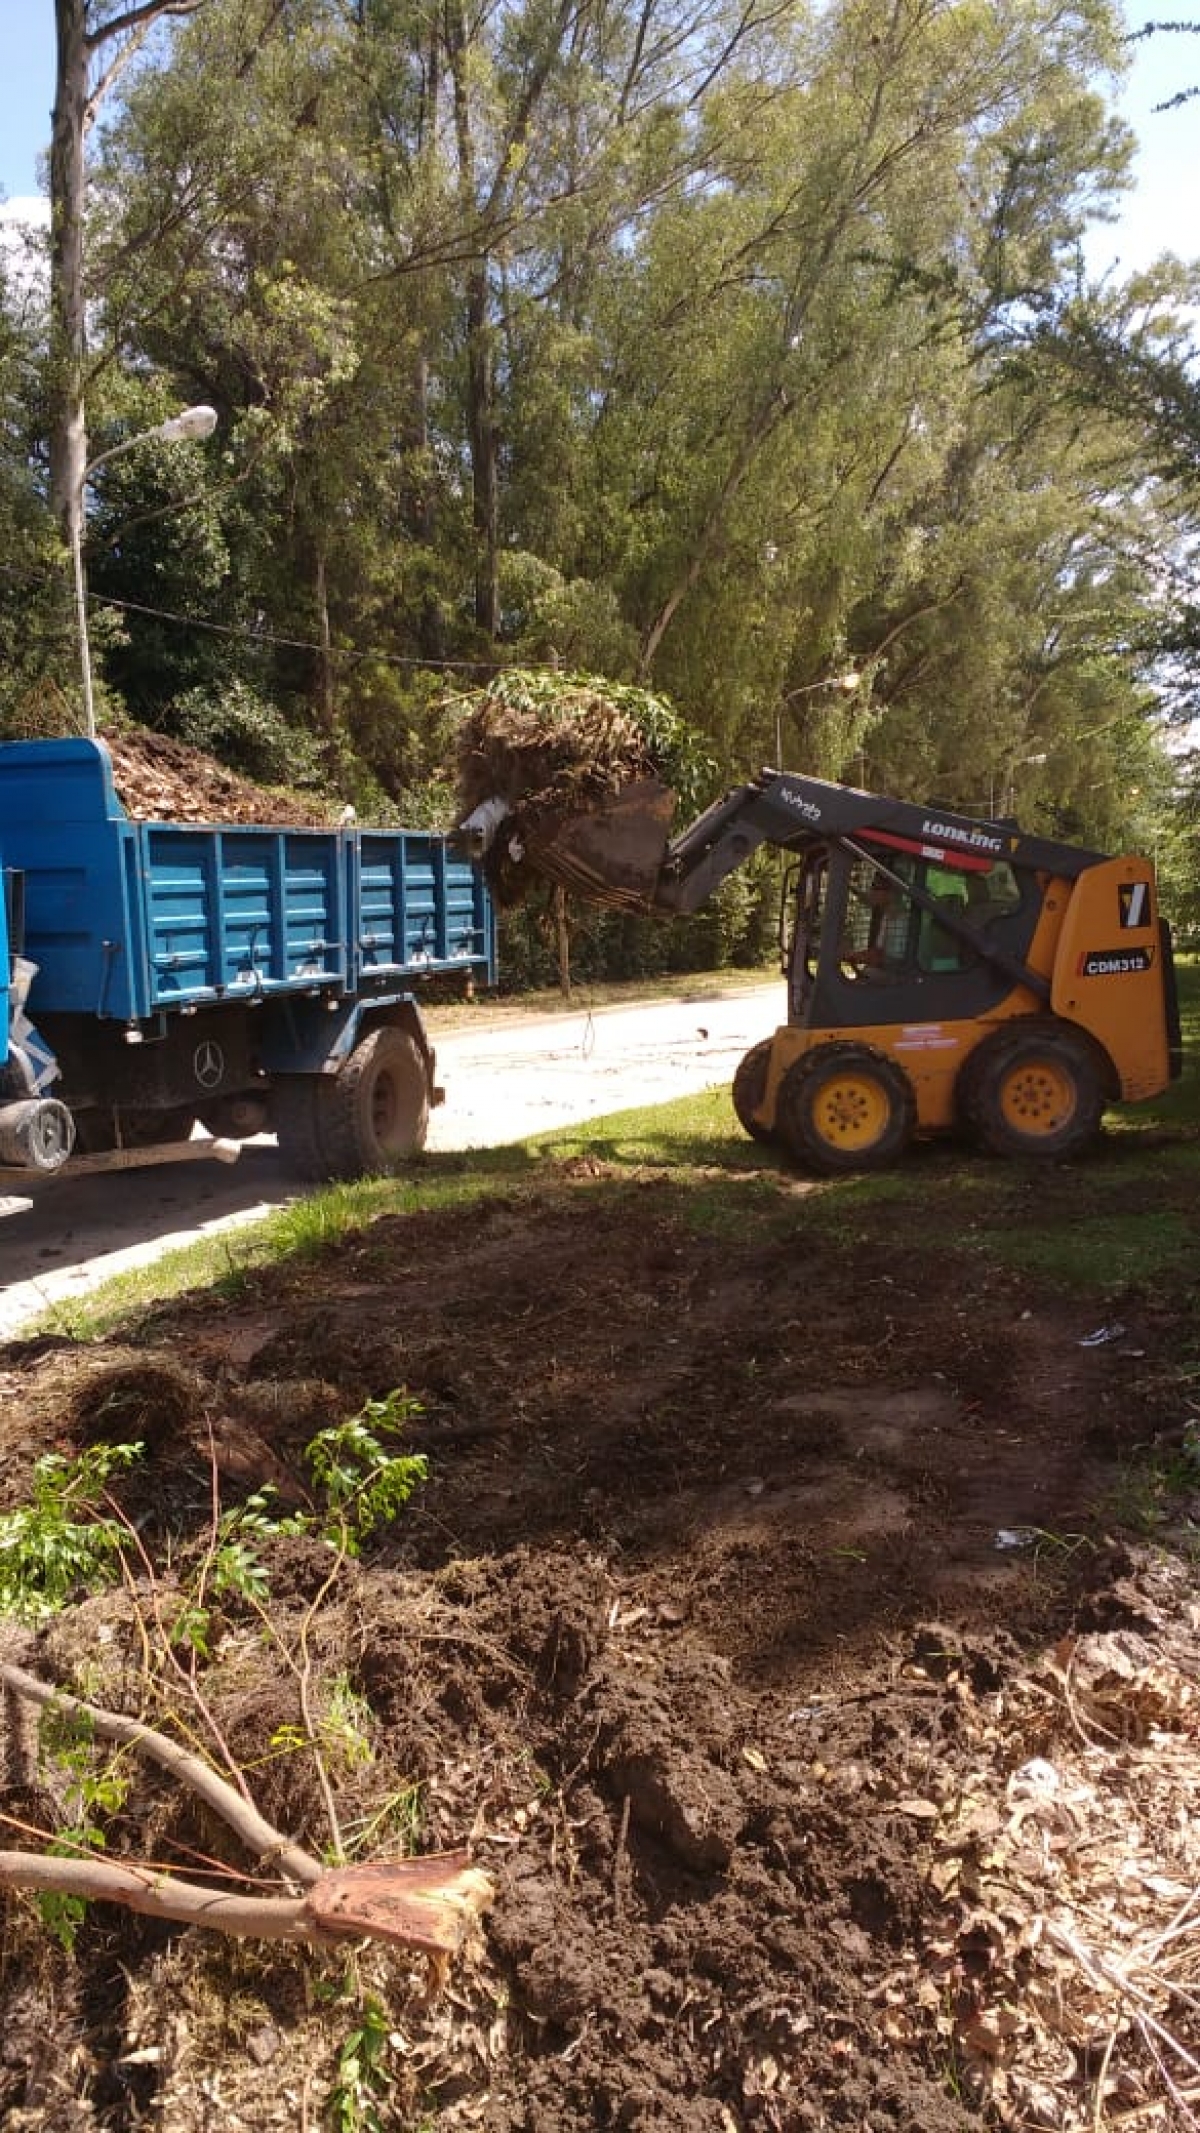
pixel 1009 794
pixel 194 422
pixel 847 682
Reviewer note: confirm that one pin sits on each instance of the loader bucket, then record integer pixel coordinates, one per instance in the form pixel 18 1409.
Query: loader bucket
pixel 613 855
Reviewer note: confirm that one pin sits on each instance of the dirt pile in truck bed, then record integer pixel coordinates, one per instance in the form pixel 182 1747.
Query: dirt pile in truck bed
pixel 163 780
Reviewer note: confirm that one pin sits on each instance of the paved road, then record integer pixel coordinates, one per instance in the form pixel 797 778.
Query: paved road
pixel 504 1080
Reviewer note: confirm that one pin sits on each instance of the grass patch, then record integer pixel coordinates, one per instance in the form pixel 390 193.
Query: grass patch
pixel 697 1132
pixel 1101 1251
pixel 225 1262
pixel 1179 1105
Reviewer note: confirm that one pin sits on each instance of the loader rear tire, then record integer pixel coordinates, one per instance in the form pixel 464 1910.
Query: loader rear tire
pixel 1036 1089
pixel 376 1115
pixel 845 1107
pixel 749 1088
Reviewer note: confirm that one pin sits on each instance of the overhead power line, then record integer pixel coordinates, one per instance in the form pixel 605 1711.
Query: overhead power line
pixel 249 635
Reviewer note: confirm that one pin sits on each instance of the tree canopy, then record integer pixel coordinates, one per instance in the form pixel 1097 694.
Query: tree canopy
pixel 740 348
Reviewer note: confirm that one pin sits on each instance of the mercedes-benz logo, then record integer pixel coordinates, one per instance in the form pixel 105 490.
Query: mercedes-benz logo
pixel 208 1064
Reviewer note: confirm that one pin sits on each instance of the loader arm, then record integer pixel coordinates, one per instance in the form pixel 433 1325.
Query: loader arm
pixel 734 828
pixel 617 853
pixel 716 844
pixel 796 813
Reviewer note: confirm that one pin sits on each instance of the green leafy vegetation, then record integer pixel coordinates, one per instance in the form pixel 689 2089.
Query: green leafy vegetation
pixel 93 1788
pixel 343 1732
pixel 361 1482
pixel 63 1539
pixel 537 352
pixel 74 1536
pixel 71 1537
pixel 362 2081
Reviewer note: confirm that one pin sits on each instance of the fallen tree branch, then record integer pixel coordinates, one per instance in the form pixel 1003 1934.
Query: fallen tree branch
pixel 157 1895
pixel 429 1903
pixel 426 1903
pixel 267 1843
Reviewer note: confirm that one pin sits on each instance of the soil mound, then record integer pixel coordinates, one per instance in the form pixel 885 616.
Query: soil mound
pixel 833 1767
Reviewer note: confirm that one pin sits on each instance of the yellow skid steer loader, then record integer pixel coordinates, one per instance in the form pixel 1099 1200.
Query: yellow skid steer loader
pixel 943 972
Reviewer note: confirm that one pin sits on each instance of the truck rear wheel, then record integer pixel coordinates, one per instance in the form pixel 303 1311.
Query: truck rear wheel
pixel 749 1088
pixel 1033 1090
pixel 368 1118
pixel 375 1112
pixel 845 1107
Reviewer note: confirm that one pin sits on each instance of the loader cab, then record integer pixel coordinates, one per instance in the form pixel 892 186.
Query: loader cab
pixel 861 950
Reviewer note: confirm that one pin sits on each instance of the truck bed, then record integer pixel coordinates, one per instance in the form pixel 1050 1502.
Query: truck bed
pixel 127 919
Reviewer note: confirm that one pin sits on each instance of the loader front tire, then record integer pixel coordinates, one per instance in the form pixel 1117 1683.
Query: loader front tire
pixel 1035 1089
pixel 845 1107
pixel 749 1088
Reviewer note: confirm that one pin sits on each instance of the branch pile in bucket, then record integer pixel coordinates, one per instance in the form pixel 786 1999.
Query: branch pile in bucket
pixel 535 748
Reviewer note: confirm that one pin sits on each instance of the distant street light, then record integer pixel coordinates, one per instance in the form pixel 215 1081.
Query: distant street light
pixel 1017 763
pixel 194 422
pixel 832 681
pixel 847 682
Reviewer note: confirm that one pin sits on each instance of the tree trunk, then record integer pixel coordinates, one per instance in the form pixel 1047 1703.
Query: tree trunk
pixel 68 344
pixel 113 44
pixel 485 471
pixel 480 409
pixel 562 934
pixel 327 694
pixel 712 526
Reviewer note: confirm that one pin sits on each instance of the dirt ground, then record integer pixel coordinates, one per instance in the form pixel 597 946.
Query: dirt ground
pixel 717 1632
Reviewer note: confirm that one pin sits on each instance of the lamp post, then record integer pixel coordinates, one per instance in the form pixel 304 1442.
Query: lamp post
pixel 847 682
pixel 1016 763
pixel 194 422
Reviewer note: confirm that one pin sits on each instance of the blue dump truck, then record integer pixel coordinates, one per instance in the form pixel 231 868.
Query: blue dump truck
pixel 248 978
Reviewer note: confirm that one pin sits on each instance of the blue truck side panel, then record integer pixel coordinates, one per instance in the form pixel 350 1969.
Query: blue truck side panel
pixel 126 920
pixel 416 903
pixel 62 827
pixel 242 912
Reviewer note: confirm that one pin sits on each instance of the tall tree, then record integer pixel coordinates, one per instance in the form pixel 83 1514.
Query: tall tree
pixel 95 44
pixel 681 333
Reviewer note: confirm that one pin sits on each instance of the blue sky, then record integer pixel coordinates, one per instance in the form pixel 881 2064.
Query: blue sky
pixel 1160 215
pixel 26 91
